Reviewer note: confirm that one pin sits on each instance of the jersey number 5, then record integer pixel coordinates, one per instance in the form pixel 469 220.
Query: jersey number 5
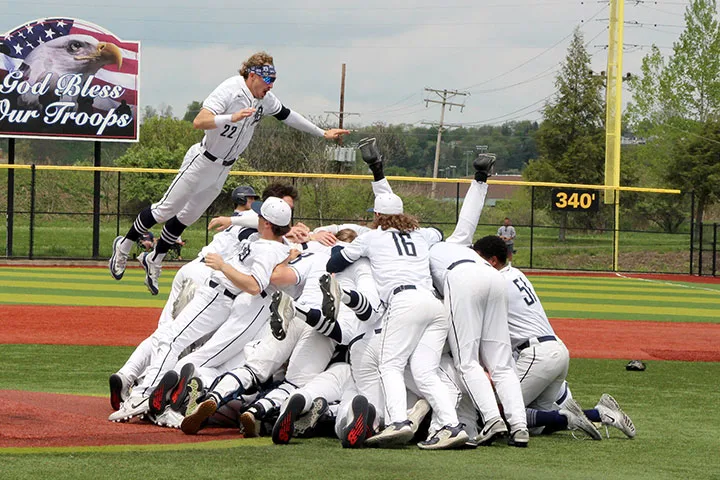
pixel 228 131
pixel 404 244
pixel 528 294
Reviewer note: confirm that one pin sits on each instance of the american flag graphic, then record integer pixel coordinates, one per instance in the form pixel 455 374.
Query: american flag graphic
pixel 16 45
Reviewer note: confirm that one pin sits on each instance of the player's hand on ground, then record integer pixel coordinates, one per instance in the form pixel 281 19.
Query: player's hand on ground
pixel 214 261
pixel 325 238
pixel 335 133
pixel 244 113
pixel 219 223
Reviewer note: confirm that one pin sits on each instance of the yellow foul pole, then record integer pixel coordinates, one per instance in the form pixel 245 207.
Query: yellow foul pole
pixel 613 118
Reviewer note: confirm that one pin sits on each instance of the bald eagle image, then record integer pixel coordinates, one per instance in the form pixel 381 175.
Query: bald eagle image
pixel 70 54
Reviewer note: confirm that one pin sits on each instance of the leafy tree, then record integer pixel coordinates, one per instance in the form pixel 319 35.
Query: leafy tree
pixel 163 143
pixel 676 102
pixel 192 110
pixel 571 138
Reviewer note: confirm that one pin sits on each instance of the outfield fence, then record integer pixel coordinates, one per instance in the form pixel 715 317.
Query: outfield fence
pixel 73 213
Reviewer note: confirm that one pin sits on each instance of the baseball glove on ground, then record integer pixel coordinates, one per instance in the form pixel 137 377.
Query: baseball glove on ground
pixel 635 366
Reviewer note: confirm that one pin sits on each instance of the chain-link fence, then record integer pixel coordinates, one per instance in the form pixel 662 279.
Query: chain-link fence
pixel 54 213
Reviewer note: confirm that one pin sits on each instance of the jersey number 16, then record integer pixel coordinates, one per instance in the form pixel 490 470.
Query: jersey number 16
pixel 404 244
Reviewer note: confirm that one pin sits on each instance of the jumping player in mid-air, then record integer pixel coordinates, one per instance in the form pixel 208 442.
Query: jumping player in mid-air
pixel 229 117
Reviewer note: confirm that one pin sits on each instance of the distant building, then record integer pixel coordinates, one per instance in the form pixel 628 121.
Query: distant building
pixel 449 191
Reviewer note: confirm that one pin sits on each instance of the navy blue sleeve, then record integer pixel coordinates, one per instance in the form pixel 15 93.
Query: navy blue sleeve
pixel 283 113
pixel 337 262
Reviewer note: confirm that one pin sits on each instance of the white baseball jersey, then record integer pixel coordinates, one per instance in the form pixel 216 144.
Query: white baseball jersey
pixel 257 259
pixel 226 243
pixel 526 316
pixel 308 268
pixel 228 141
pixel 396 258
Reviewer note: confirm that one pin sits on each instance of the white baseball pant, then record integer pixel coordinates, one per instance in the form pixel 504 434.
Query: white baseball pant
pixel 542 369
pixel 140 358
pixel 193 189
pixel 479 337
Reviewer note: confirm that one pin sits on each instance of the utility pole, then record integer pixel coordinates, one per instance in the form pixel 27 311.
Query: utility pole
pixel 445 97
pixel 342 113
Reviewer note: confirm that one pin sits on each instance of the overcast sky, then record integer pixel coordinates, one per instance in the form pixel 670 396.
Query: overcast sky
pixel 505 53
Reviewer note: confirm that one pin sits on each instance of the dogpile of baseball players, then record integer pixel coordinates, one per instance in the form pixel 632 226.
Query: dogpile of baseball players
pixel 375 334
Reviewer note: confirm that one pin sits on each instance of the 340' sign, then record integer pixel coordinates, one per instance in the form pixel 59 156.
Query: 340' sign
pixel 575 200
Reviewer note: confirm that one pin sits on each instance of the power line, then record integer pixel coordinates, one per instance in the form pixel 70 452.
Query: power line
pixel 535 57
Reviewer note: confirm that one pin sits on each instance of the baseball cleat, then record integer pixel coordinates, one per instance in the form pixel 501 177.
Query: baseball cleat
pixel 169 418
pixel 251 422
pixel 418 413
pixel 372 413
pixel 134 406
pixel 152 272
pixel 119 390
pixel 331 296
pixel 577 420
pixel 483 165
pixel 612 415
pixel 356 431
pixel 519 438
pixel 398 433
pixel 195 394
pixel 492 430
pixel 306 423
pixel 285 425
pixel 282 311
pixel 180 392
pixel 160 397
pixel 118 260
pixel 195 421
pixel 369 151
pixel 446 438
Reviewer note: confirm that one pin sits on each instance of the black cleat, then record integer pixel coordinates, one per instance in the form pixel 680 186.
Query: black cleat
pixel 369 151
pixel 160 397
pixel 285 424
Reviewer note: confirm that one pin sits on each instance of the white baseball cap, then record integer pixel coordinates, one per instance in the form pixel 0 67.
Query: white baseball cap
pixel 388 204
pixel 275 210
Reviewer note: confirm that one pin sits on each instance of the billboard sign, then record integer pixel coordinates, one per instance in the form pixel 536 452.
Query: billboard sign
pixel 64 78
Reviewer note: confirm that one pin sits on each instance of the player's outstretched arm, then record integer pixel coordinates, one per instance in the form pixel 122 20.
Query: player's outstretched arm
pixel 207 120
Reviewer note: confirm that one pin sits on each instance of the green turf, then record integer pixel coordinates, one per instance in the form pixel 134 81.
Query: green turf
pixel 607 298
pixel 671 404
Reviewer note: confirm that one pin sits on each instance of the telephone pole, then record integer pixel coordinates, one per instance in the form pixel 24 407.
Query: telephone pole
pixel 445 97
pixel 342 113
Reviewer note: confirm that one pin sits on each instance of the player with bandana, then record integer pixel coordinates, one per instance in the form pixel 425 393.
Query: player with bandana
pixel 229 117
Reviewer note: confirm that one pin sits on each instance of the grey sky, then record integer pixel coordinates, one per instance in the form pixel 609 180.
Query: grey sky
pixel 505 53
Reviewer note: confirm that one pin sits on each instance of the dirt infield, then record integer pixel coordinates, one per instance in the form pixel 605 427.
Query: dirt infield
pixel 44 420
pixel 31 419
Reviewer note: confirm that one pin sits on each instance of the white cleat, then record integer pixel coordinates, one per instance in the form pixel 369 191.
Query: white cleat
pixel 399 433
pixel 492 430
pixel 118 260
pixel 331 296
pixel 577 420
pixel 135 406
pixel 282 311
pixel 418 413
pixel 169 418
pixel 152 272
pixel 612 415
pixel 446 438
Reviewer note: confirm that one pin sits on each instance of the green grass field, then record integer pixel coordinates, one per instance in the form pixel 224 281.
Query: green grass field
pixel 672 403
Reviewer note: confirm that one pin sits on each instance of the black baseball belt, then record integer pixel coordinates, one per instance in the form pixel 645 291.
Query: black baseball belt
pixel 213 158
pixel 545 338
